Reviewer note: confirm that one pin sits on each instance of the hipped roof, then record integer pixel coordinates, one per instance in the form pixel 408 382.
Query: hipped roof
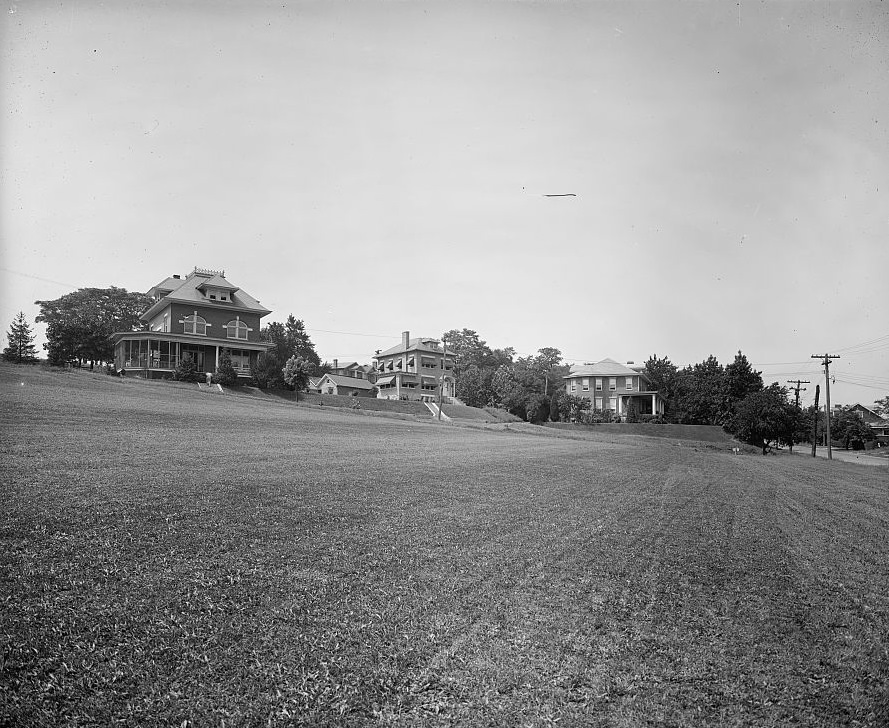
pixel 604 368
pixel 187 290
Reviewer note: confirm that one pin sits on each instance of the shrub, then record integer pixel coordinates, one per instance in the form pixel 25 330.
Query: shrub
pixel 632 412
pixel 186 370
pixel 225 373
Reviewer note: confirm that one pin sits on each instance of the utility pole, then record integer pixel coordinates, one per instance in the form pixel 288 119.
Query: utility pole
pixel 797 389
pixel 815 423
pixel 827 358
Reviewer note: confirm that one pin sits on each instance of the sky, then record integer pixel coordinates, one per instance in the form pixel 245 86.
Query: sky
pixel 381 167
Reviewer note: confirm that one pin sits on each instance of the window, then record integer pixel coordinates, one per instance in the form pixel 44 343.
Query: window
pixel 611 403
pixel 598 384
pixel 573 385
pixel 195 324
pixel 586 384
pixel 599 403
pixel 629 384
pixel 612 383
pixel 237 329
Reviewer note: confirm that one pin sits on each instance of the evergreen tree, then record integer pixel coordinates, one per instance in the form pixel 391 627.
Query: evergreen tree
pixel 225 373
pixel 21 348
pixel 187 370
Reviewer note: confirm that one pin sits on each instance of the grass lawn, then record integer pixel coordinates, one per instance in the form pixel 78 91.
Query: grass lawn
pixel 171 557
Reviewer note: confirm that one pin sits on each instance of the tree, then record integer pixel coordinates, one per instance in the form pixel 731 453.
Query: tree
pixel 506 391
pixel 699 396
pixel 296 373
pixel 470 387
pixel 739 379
pixel 847 427
pixel 881 407
pixel 187 370
pixel 225 373
pixel 21 348
pixel 764 417
pixel 79 324
pixel 555 404
pixel 632 411
pixel 290 339
pixel 575 408
pixel 663 375
pixel 537 408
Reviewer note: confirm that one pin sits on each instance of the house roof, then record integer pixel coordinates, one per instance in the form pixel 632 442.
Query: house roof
pixel 218 281
pixel 415 344
pixel 341 381
pixel 604 368
pixel 869 416
pixel 187 290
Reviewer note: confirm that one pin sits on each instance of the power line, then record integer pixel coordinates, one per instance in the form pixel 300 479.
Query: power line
pixel 847 349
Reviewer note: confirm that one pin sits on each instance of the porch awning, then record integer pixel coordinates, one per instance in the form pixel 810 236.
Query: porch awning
pixel 383 381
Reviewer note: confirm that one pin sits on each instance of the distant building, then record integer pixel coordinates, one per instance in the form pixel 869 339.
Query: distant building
pixel 202 316
pixel 352 369
pixel 345 385
pixel 878 425
pixel 414 370
pixel 610 385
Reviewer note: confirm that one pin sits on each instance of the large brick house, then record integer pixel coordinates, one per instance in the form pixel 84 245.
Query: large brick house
pixel 202 316
pixel 610 385
pixel 414 369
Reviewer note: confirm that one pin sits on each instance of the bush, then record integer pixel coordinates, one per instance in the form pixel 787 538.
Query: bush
pixel 225 373
pixel 187 371
pixel 632 412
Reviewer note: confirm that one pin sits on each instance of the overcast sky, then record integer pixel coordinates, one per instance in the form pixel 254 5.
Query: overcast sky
pixel 378 167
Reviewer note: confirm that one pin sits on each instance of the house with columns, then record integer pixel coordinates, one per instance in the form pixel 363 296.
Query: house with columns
pixel 610 385
pixel 202 316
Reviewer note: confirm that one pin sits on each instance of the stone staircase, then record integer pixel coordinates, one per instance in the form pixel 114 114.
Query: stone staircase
pixel 433 408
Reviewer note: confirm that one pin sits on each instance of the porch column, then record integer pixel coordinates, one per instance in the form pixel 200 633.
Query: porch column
pixel 654 405
pixel 217 356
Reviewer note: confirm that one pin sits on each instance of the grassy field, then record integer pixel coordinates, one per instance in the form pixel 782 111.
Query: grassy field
pixel 171 557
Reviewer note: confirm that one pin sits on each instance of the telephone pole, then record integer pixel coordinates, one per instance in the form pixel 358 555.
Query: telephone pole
pixel 827 358
pixel 797 389
pixel 815 421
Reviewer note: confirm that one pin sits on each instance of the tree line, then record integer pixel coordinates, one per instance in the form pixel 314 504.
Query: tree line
pixel 79 325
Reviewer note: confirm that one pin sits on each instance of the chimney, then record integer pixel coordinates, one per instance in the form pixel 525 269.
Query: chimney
pixel 630 362
pixel 176 277
pixel 405 338
pixel 336 365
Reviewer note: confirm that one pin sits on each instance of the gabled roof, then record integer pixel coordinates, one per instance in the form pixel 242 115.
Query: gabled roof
pixel 353 382
pixel 416 344
pixel 187 290
pixel 604 368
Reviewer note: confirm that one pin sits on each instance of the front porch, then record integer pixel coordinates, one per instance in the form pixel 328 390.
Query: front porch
pixel 154 357
pixel 646 403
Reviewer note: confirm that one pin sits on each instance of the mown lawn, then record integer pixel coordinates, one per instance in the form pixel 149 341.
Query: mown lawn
pixel 177 558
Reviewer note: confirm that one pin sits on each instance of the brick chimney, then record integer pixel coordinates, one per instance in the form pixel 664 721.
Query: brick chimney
pixel 336 365
pixel 405 339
